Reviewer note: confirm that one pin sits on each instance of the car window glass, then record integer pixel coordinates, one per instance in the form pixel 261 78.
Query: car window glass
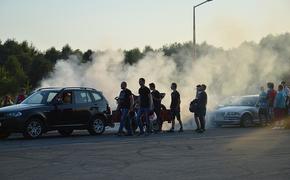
pixel 36 99
pixel 96 96
pixel 51 96
pixel 82 97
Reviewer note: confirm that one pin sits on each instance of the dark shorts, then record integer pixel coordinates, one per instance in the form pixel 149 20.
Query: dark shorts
pixel 175 113
pixel 201 112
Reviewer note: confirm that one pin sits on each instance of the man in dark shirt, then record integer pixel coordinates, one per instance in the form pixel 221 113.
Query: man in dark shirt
pixel 125 105
pixel 145 106
pixel 157 103
pixel 175 107
pixel 201 112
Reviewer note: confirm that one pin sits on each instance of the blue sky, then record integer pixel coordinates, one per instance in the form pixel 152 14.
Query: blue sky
pixel 113 24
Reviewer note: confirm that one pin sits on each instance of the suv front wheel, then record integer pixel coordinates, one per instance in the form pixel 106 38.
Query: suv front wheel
pixel 33 129
pixel 97 126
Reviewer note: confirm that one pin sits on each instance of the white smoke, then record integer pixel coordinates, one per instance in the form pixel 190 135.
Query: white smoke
pixel 236 71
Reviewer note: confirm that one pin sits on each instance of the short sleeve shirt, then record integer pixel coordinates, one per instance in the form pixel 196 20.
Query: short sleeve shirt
pixel 124 98
pixel 144 93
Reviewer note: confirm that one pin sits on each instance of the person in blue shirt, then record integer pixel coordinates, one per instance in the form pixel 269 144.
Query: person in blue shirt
pixel 263 107
pixel 279 108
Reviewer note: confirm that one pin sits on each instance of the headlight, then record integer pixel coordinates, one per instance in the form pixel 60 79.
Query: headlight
pixel 14 114
pixel 233 114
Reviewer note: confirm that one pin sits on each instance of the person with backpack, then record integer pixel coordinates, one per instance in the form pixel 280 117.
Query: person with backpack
pixel 201 110
pixel 194 108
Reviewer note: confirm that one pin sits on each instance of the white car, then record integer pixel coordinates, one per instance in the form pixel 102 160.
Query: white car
pixel 237 110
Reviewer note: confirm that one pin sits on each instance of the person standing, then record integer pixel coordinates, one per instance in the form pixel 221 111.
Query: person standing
pixel 125 105
pixel 21 96
pixel 175 107
pixel 145 106
pixel 196 116
pixel 156 97
pixel 201 103
pixel 7 101
pixel 271 93
pixel 279 108
pixel 286 92
pixel 263 107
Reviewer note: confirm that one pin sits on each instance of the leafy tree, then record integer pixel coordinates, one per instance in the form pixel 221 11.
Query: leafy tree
pixel 133 56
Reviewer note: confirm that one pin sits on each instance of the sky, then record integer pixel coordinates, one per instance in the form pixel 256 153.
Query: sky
pixel 126 24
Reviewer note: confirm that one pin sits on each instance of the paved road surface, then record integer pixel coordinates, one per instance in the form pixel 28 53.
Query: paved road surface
pixel 226 153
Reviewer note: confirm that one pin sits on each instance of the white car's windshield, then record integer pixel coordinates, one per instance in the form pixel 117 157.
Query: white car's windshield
pixel 241 101
pixel 40 97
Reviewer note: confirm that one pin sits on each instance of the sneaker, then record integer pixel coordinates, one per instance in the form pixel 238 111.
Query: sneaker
pixel 197 129
pixel 180 130
pixel 140 133
pixel 171 130
pixel 200 131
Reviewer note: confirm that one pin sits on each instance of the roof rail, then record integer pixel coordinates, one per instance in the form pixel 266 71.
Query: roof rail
pixel 39 89
pixel 83 88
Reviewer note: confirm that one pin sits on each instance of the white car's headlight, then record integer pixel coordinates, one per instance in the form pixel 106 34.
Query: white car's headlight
pixel 14 114
pixel 232 114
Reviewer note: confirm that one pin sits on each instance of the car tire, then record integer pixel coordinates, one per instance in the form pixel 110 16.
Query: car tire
pixel 97 126
pixel 65 132
pixel 4 135
pixel 33 129
pixel 246 121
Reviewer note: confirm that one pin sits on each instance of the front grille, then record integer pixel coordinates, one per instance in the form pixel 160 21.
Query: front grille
pixel 220 116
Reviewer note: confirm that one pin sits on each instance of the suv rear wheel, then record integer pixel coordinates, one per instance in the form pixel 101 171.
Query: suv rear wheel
pixel 97 126
pixel 65 132
pixel 33 129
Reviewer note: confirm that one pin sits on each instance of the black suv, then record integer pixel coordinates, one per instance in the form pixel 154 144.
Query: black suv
pixel 62 109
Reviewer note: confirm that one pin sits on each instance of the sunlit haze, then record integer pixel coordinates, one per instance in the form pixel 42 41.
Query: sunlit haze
pixel 113 24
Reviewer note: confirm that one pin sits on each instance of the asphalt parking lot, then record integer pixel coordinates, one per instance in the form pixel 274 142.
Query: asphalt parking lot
pixel 225 153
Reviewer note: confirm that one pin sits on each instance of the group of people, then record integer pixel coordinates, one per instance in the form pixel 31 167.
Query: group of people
pixel 274 105
pixel 7 100
pixel 149 102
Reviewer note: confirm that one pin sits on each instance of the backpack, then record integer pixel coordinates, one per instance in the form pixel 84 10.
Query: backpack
pixel 193 107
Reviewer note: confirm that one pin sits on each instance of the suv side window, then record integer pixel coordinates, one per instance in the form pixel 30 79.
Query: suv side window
pixel 82 97
pixel 97 96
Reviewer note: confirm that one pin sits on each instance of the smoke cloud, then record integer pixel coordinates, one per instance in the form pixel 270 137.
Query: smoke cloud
pixel 237 71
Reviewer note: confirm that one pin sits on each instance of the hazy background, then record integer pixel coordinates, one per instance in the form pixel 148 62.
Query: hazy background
pixel 114 24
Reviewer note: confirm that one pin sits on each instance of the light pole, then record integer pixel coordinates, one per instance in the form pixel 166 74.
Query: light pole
pixel 194 39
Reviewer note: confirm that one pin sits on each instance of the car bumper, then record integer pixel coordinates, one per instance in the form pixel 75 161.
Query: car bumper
pixel 11 124
pixel 227 121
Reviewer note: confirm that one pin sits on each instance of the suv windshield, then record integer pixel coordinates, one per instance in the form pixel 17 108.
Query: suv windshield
pixel 241 101
pixel 40 97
